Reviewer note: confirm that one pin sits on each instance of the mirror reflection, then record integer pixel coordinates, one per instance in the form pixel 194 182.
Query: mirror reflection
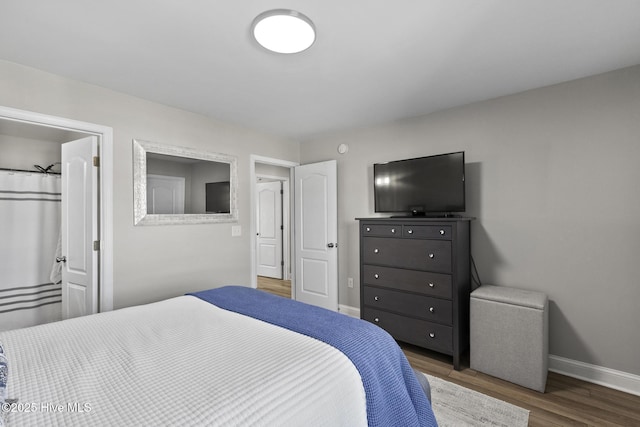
pixel 176 185
pixel 181 185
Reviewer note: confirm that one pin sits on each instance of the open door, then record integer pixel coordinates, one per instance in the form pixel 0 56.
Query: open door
pixel 269 233
pixel 316 231
pixel 80 241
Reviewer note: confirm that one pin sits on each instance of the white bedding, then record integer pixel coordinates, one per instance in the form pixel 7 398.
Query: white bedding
pixel 180 362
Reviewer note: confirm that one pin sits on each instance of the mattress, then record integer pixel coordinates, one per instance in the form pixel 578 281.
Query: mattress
pixel 394 395
pixel 181 362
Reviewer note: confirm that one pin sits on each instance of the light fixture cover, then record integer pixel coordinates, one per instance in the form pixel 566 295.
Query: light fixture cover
pixel 283 31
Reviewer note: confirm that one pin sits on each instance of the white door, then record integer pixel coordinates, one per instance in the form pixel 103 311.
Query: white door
pixel 316 231
pixel 269 229
pixel 165 194
pixel 79 228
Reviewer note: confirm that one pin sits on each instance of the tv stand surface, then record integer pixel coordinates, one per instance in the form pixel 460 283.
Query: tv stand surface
pixel 432 217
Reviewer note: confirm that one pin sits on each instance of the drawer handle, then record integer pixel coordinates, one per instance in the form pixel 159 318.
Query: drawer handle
pixel 431 309
pixel 376 298
pixel 442 232
pixel 368 229
pixel 376 250
pixel 393 230
pixel 410 231
pixel 431 285
pixel 375 276
pixel 432 335
pixel 432 256
pixel 376 320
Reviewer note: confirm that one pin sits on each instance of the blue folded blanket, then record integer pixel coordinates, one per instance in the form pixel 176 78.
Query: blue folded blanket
pixel 394 395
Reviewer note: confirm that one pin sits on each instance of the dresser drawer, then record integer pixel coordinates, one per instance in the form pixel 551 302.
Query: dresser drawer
pixel 427 308
pixel 415 331
pixel 424 282
pixel 384 230
pixel 425 255
pixel 427 232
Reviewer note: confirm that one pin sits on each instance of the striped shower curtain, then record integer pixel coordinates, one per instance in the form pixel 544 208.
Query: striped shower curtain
pixel 29 234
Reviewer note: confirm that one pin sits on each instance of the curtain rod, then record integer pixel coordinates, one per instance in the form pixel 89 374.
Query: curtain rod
pixel 31 171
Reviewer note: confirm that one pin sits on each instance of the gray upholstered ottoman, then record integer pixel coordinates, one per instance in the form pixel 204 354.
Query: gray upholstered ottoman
pixel 510 335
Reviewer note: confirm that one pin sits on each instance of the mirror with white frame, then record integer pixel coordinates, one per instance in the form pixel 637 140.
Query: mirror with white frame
pixel 178 185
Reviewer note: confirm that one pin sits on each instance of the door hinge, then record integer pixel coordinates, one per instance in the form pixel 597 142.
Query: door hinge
pixel 282 227
pixel 96 245
pixel 281 191
pixel 282 263
pixel 96 161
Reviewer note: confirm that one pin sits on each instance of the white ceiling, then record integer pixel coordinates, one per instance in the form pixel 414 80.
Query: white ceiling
pixel 17 129
pixel 373 60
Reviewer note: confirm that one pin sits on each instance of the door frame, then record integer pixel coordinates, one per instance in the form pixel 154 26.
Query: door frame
pixel 105 173
pixel 253 159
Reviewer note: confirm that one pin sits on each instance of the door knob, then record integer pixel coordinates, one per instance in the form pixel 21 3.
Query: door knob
pixel 330 245
pixel 61 259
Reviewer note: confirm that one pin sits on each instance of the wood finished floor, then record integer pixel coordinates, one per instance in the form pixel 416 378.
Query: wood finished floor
pixel 275 286
pixel 566 401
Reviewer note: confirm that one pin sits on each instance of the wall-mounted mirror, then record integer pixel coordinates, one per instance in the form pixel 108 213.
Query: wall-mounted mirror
pixel 177 185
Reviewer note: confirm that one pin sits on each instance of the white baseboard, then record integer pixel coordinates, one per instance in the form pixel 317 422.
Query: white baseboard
pixel 349 311
pixel 618 380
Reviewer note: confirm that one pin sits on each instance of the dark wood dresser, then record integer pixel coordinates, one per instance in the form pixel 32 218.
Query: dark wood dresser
pixel 415 280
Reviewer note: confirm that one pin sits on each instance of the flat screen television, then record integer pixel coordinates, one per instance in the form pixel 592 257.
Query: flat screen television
pixel 217 197
pixel 432 185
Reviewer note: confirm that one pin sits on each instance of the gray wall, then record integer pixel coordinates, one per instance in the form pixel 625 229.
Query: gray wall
pixel 23 153
pixel 153 263
pixel 552 177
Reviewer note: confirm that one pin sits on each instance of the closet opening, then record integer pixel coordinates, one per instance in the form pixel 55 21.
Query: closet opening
pixel 31 197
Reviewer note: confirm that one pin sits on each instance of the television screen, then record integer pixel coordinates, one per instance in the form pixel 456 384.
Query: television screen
pixel 432 184
pixel 217 197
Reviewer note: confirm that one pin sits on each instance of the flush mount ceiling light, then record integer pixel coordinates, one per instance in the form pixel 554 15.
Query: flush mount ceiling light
pixel 283 31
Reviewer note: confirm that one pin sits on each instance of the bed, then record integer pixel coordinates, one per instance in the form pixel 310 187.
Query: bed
pixel 226 356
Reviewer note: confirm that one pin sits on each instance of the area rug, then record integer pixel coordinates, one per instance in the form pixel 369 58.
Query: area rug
pixel 454 405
